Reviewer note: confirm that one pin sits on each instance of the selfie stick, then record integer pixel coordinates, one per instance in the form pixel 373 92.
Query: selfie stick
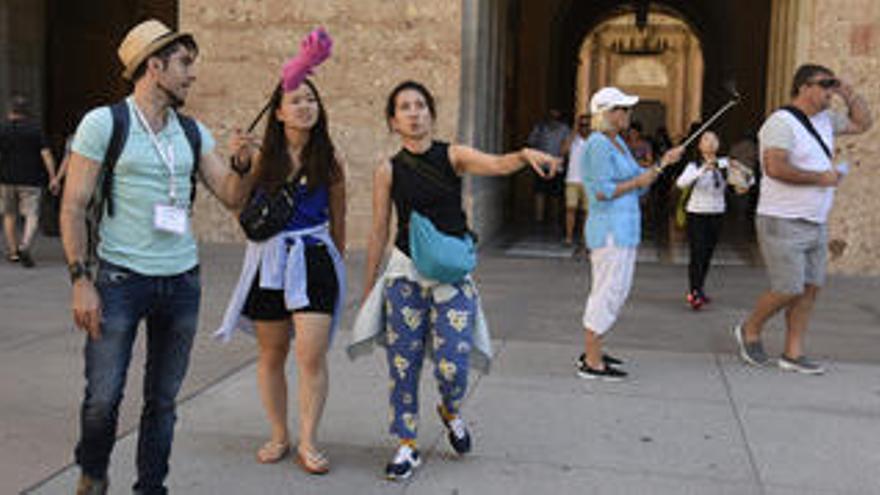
pixel 259 116
pixel 727 106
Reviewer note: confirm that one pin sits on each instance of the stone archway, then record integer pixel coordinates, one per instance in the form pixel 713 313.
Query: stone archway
pixel 662 62
pixel 677 55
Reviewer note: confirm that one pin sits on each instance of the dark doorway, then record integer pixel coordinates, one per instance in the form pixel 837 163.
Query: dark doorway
pixel 651 114
pixel 82 69
pixel 548 36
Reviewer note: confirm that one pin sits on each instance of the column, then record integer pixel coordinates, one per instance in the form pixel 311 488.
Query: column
pixel 791 26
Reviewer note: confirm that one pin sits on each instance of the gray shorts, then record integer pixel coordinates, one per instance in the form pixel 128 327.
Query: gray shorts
pixel 795 252
pixel 20 200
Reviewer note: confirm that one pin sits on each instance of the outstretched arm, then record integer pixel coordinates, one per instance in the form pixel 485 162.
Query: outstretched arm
pixel 472 161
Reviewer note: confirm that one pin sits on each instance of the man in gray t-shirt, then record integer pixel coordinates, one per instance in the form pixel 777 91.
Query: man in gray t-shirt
pixel 549 135
pixel 797 192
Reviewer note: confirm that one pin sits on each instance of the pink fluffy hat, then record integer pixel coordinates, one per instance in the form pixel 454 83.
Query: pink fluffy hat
pixel 314 49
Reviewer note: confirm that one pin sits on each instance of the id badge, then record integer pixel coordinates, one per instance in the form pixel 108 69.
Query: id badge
pixel 168 218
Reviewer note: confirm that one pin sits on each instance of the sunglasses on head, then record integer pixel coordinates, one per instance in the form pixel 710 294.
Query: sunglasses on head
pixel 827 83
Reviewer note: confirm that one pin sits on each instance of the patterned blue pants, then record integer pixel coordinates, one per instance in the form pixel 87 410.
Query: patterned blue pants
pixel 415 319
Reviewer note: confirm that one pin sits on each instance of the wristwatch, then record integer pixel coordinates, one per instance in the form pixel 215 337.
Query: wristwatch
pixel 78 270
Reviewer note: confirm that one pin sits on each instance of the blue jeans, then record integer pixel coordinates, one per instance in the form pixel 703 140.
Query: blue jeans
pixel 170 306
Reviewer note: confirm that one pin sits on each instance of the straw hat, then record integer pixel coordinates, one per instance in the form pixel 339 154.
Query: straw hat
pixel 142 41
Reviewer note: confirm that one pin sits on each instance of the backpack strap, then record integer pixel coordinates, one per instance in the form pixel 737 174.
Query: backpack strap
pixel 805 121
pixel 194 137
pixel 121 123
pixel 118 137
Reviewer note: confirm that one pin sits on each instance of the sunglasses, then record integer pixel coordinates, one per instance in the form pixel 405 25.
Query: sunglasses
pixel 826 83
pixel 617 107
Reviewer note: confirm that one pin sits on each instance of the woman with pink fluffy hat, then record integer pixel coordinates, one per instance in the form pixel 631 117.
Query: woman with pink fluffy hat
pixel 292 284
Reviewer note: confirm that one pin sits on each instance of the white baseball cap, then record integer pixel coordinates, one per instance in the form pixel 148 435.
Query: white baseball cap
pixel 610 97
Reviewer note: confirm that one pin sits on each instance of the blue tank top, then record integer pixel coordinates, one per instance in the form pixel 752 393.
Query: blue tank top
pixel 312 208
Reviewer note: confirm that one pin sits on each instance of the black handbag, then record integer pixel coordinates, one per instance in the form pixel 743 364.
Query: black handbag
pixel 266 214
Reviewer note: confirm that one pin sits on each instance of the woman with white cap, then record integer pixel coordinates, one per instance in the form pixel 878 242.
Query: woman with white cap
pixel 613 181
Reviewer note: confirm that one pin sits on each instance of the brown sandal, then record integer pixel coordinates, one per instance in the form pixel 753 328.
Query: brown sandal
pixel 313 462
pixel 272 452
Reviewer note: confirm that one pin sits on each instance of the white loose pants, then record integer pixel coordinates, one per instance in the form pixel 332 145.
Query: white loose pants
pixel 613 268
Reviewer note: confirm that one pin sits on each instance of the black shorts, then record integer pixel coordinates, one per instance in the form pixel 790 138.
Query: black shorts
pixel 322 289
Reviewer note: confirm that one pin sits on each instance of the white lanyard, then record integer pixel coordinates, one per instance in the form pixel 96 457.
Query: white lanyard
pixel 166 155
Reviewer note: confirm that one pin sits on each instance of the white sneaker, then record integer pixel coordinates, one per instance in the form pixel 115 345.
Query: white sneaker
pixel 405 461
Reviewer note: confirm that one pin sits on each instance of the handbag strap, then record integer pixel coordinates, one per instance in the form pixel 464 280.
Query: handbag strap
pixel 805 121
pixel 424 168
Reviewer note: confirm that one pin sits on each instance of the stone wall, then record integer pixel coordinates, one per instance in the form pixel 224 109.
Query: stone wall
pixel 846 37
pixel 378 43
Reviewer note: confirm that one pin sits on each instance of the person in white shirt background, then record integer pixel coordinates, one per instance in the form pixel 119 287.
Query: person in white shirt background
pixel 575 197
pixel 706 181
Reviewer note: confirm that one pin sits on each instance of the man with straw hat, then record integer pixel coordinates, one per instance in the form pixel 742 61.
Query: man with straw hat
pixel 141 156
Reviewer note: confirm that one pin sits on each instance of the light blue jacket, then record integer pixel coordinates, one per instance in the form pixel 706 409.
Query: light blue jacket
pixel 602 168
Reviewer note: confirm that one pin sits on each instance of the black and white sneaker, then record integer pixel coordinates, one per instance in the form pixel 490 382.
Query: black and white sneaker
pixel 800 365
pixel 458 435
pixel 606 358
pixel 405 461
pixel 608 374
pixel 25 257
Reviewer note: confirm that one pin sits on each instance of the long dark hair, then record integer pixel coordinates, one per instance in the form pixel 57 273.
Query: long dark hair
pixel 318 156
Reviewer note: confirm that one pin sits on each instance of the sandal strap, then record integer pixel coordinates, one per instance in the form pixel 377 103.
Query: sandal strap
pixel 273 450
pixel 315 458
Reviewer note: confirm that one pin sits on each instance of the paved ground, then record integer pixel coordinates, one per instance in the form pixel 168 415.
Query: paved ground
pixel 691 420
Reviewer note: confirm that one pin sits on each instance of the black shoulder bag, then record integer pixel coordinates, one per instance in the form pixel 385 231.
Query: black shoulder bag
pixel 266 214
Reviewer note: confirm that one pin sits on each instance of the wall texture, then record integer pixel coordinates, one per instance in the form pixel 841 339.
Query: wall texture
pixel 845 36
pixel 378 43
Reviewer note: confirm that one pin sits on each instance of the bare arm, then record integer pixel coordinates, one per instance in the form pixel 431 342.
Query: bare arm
pixel 228 186
pixel 81 181
pixel 566 144
pixel 777 166
pixel 381 219
pixel 469 160
pixel 55 184
pixel 859 113
pixel 49 163
pixel 337 208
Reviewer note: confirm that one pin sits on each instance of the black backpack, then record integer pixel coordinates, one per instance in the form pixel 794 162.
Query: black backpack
pixel 102 200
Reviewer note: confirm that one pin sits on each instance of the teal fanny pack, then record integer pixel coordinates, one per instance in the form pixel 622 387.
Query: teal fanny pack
pixel 438 256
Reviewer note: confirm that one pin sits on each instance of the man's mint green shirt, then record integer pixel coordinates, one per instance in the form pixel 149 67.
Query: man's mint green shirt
pixel 140 181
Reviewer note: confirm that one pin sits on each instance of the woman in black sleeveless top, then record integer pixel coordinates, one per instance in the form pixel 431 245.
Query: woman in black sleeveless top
pixel 420 314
